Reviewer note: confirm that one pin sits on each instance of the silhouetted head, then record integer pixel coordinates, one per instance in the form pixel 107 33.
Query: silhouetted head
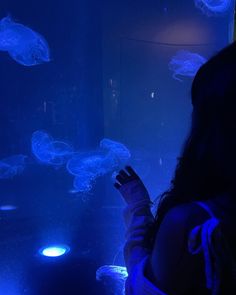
pixel 214 117
pixel 207 166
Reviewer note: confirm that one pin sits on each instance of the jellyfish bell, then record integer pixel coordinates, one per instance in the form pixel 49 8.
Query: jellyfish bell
pixel 88 166
pixel 186 64
pixel 114 277
pixel 59 151
pixel 50 151
pixel 34 53
pixel 95 163
pixel 24 45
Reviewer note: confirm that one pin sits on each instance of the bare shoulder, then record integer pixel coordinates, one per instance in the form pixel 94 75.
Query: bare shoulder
pixel 170 262
pixel 185 214
pixel 180 219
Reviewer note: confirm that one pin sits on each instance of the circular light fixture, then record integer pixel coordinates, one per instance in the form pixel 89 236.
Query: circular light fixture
pixel 54 251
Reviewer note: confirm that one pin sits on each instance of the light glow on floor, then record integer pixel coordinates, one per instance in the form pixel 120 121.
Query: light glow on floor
pixel 54 251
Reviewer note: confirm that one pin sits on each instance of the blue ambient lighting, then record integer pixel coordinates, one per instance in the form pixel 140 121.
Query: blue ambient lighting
pixel 54 251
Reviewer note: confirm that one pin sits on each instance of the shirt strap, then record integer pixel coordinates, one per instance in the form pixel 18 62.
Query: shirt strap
pixel 206 208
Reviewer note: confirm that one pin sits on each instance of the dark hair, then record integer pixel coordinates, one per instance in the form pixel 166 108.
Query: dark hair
pixel 207 166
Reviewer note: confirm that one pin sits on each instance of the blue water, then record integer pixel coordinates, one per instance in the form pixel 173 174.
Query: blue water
pixel 88 87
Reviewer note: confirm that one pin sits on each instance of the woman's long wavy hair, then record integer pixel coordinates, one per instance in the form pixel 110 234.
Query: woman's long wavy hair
pixel 207 166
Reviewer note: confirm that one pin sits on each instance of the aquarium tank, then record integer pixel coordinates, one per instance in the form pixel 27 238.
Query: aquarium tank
pixel 88 87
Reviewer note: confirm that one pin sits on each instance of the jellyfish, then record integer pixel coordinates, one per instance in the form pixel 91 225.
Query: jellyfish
pixel 185 63
pixel 12 166
pixel 214 7
pixel 24 45
pixel 49 151
pixel 39 142
pixel 97 163
pixel 116 149
pixel 114 277
pixel 83 183
pixel 59 151
pixel 88 166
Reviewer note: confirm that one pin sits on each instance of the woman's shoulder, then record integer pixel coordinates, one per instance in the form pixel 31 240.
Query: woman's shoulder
pixel 186 214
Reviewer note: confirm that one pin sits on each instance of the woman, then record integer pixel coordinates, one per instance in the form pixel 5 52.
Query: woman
pixel 190 246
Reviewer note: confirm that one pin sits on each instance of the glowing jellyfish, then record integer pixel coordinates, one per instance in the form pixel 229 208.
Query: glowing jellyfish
pixel 185 63
pixel 117 149
pixel 214 7
pixel 83 183
pixel 12 166
pixel 87 166
pixel 114 277
pixel 49 151
pixel 96 163
pixel 40 142
pixel 24 45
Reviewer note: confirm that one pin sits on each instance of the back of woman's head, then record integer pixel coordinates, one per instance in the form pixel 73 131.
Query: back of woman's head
pixel 214 120
pixel 207 166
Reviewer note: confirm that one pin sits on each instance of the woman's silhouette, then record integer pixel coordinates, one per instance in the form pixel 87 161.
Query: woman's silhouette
pixel 189 247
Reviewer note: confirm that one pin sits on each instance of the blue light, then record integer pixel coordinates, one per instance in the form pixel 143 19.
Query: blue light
pixel 8 207
pixel 54 251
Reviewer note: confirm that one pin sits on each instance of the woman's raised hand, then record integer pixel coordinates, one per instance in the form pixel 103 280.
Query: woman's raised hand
pixel 131 186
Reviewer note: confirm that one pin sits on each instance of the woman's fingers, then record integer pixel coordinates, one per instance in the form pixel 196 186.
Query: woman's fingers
pixel 123 174
pixel 131 171
pixel 124 177
pixel 117 185
pixel 121 179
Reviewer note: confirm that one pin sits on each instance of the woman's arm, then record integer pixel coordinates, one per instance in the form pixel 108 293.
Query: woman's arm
pixel 137 216
pixel 138 219
pixel 168 266
pixel 171 266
